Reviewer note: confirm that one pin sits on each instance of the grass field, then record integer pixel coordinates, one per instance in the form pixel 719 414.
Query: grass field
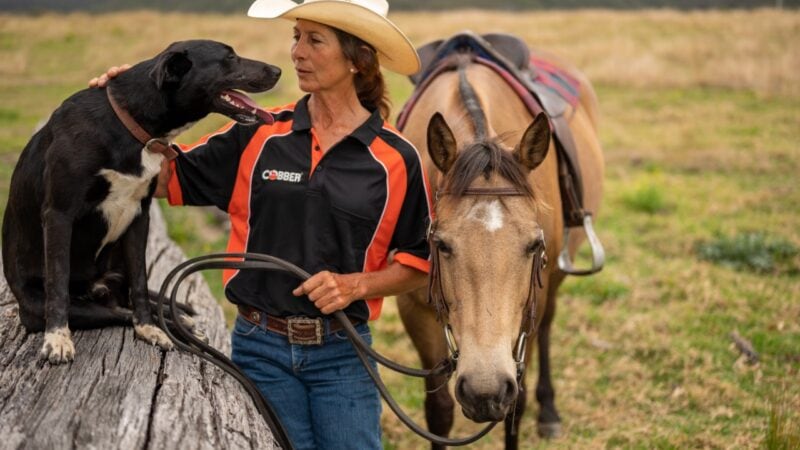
pixel 700 128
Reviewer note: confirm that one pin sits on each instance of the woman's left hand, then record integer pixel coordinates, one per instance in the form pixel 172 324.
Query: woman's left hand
pixel 330 291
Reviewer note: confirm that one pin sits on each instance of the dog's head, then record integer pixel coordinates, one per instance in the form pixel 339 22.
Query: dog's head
pixel 205 76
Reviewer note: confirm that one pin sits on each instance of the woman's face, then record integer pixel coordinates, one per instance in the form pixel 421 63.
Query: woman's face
pixel 318 59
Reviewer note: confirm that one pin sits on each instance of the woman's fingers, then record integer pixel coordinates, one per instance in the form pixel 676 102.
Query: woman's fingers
pixel 325 291
pixel 112 72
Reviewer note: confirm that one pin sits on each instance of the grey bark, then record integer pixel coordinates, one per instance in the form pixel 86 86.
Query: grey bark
pixel 119 392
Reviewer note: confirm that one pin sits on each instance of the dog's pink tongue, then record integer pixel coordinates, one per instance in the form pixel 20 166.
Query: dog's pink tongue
pixel 245 102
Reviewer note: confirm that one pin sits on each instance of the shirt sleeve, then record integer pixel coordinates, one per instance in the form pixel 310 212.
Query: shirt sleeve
pixel 204 173
pixel 410 238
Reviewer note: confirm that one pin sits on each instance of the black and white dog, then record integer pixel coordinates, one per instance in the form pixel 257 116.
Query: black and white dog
pixel 75 227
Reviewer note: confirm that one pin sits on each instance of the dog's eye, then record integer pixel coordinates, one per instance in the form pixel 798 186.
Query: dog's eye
pixel 231 56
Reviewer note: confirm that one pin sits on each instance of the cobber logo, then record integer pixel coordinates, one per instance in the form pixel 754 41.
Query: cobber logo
pixel 281 175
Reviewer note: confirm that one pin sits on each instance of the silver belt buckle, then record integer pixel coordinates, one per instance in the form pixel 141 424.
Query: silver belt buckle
pixel 304 330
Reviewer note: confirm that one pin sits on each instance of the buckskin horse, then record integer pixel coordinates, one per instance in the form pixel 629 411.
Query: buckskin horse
pixel 499 217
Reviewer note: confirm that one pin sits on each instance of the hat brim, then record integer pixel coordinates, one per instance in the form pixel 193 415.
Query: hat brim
pixel 395 50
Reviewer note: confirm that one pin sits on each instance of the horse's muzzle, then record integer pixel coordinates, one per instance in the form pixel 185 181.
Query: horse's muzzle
pixel 486 402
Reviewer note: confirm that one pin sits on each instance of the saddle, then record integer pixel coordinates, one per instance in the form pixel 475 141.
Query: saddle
pixel 542 87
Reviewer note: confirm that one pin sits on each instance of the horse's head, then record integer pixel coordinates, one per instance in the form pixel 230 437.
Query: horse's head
pixel 488 250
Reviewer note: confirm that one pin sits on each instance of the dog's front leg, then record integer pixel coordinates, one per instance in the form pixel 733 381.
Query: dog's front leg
pixel 134 244
pixel 58 347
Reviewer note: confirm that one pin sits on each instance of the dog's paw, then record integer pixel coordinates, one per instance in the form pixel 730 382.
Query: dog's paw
pixel 187 321
pixel 199 334
pixel 153 335
pixel 58 347
pixel 99 290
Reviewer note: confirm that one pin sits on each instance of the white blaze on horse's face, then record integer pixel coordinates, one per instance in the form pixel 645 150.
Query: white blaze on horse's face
pixel 490 214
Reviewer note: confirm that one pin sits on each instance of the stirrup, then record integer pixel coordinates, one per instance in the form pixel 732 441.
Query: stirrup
pixel 598 254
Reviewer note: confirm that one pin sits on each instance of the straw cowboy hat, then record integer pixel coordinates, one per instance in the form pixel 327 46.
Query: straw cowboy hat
pixel 365 19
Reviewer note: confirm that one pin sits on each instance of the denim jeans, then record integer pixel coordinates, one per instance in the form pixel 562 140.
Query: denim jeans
pixel 321 393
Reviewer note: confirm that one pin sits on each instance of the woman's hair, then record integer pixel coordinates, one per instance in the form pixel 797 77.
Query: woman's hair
pixel 370 86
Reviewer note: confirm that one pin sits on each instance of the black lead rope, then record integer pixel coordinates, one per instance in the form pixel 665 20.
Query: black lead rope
pixel 191 344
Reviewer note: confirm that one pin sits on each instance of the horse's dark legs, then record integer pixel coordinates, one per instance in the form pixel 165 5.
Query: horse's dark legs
pixel 514 418
pixel 549 422
pixel 438 408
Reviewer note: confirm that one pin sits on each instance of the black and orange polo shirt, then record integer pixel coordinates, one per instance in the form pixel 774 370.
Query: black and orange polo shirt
pixel 343 211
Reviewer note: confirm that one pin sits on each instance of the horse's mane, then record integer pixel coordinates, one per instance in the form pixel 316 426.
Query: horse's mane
pixel 485 157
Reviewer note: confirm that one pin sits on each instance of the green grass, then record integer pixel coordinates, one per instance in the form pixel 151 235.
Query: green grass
pixel 751 251
pixel 783 432
pixel 699 219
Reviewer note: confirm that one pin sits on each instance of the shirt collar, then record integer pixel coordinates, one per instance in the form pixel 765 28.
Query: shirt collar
pixel 365 133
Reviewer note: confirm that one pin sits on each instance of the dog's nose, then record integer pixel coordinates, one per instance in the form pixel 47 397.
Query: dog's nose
pixel 273 71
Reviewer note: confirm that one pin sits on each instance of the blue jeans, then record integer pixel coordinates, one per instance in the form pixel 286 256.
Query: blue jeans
pixel 321 393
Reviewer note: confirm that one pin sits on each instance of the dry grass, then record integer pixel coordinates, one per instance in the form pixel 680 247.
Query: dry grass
pixel 700 126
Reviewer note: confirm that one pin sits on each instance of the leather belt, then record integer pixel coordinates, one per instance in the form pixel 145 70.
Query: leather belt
pixel 299 330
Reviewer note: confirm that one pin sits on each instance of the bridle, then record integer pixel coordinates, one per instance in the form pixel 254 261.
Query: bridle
pixel 436 294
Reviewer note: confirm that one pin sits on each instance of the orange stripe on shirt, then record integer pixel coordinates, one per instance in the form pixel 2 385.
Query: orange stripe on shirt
pixel 174 192
pixel 239 206
pixel 204 140
pixel 428 193
pixel 407 259
pixel 376 255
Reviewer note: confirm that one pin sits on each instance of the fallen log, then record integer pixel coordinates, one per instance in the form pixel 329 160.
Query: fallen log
pixel 120 392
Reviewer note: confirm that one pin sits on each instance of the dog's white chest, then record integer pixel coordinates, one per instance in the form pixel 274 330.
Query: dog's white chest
pixel 125 194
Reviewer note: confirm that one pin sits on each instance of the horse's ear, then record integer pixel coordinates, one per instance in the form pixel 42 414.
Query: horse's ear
pixel 441 143
pixel 535 142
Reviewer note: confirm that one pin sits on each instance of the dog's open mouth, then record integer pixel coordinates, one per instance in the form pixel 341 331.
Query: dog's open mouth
pixel 242 108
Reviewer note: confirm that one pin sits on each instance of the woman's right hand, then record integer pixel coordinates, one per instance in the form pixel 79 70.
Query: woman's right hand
pixel 112 72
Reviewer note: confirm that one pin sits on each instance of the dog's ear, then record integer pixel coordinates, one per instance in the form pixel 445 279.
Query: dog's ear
pixel 170 67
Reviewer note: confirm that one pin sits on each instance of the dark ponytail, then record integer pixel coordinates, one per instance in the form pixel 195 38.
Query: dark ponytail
pixel 370 86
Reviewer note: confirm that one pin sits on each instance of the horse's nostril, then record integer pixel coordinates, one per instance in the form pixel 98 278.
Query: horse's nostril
pixel 461 388
pixel 511 390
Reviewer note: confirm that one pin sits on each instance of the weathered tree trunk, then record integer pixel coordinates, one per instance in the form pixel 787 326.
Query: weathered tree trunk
pixel 120 392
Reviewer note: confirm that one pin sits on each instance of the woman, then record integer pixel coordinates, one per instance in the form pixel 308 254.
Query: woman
pixel 331 187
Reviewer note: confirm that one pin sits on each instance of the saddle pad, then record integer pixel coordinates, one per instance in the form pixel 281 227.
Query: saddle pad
pixel 556 79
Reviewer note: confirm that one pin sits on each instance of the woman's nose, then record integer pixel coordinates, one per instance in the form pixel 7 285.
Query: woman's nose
pixel 298 51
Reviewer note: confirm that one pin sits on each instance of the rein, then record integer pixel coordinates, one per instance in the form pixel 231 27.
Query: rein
pixel 188 342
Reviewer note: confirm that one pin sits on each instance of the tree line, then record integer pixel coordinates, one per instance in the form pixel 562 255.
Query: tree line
pixel 396 5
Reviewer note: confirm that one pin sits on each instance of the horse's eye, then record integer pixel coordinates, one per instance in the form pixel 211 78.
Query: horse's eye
pixel 442 246
pixel 533 247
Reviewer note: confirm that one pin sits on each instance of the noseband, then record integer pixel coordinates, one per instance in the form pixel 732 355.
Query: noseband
pixel 436 291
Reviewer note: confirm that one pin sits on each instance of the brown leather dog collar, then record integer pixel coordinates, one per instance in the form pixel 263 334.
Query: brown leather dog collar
pixel 153 145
